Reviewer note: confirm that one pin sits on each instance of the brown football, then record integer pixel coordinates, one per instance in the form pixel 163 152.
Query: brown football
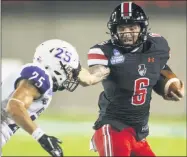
pixel 172 83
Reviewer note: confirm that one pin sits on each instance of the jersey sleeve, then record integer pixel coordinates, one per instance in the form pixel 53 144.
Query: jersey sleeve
pixel 37 76
pixel 166 52
pixel 161 46
pixel 96 56
pixel 161 43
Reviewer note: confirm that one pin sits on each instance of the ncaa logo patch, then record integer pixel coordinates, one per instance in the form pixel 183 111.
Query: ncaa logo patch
pixel 116 52
pixel 117 57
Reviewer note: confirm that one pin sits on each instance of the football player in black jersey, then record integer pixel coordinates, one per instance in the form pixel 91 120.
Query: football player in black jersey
pixel 130 65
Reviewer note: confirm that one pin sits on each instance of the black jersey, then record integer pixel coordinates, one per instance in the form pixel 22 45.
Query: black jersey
pixel 127 90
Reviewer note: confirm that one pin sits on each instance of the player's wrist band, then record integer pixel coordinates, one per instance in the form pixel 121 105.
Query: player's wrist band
pixel 37 133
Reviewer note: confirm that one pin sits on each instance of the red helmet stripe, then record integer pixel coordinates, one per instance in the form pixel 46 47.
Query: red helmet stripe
pixel 126 9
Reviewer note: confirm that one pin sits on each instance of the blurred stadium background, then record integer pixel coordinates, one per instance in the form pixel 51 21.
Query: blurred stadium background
pixel 25 24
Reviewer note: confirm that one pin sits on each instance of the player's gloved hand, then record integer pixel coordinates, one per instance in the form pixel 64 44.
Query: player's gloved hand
pixel 49 143
pixel 176 95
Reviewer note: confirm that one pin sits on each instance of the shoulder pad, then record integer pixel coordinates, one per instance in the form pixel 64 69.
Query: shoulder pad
pixel 37 75
pixel 104 42
pixel 159 40
pixel 154 35
pixel 100 45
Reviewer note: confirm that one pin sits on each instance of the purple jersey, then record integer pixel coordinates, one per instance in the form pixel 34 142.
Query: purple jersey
pixel 41 79
pixel 37 75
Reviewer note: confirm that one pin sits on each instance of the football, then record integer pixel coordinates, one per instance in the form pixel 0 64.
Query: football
pixel 172 83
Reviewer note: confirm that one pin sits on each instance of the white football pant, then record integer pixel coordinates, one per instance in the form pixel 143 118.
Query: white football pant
pixel 6 133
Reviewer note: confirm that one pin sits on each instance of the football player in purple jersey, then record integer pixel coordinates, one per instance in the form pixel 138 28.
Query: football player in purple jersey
pixel 28 92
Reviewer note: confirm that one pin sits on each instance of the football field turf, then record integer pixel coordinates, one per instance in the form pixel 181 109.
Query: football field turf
pixel 165 140
pixel 78 145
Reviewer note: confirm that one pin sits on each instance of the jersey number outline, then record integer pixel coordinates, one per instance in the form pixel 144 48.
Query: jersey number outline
pixel 140 91
pixel 40 79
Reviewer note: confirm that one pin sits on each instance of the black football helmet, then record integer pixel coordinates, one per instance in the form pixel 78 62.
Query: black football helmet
pixel 128 13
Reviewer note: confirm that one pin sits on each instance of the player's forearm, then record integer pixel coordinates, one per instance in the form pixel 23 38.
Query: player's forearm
pixel 90 80
pixel 20 115
pixel 90 77
pixel 87 79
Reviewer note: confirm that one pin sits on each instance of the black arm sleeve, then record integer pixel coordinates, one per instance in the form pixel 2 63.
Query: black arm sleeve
pixel 159 87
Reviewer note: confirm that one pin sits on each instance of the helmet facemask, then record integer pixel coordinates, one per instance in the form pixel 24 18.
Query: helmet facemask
pixel 128 34
pixel 66 78
pixel 71 81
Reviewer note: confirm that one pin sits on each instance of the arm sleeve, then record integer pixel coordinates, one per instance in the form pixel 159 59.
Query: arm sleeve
pixel 36 76
pixel 97 57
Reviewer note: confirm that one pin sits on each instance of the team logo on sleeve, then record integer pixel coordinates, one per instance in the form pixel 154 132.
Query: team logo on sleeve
pixel 117 57
pixel 142 69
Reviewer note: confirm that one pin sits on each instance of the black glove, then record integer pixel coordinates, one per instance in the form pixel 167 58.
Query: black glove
pixel 51 145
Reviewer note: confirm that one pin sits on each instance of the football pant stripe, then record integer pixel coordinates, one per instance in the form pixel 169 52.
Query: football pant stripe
pixel 107 140
pixel 105 144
